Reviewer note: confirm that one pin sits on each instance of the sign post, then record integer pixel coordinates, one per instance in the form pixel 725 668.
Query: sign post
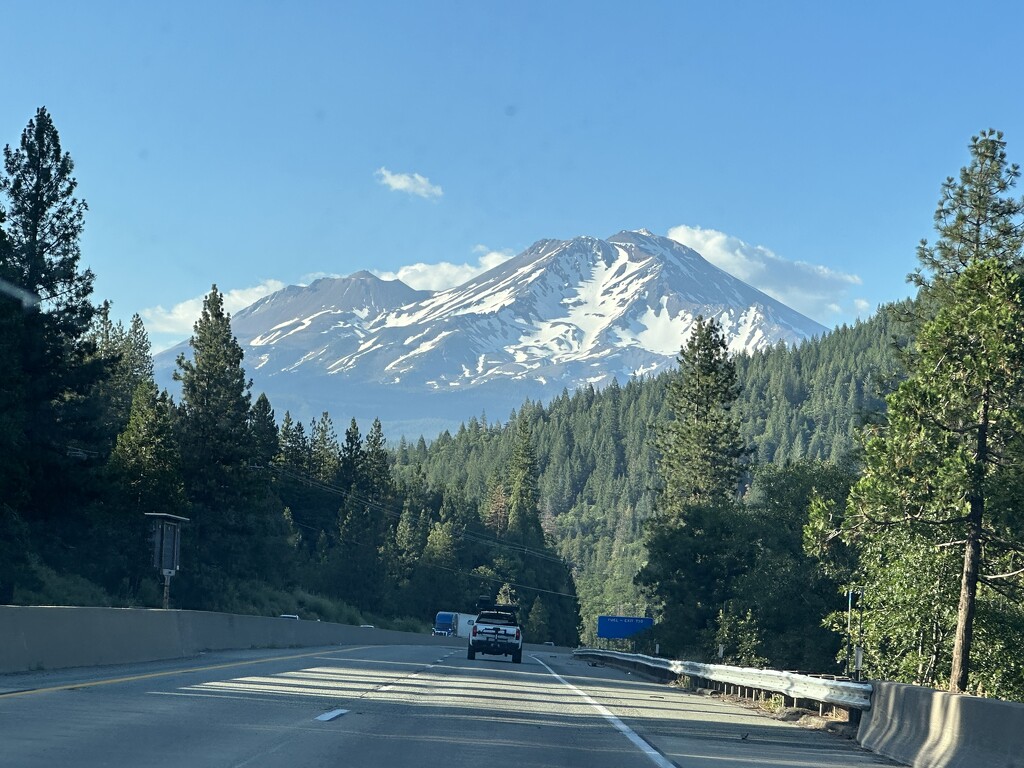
pixel 166 547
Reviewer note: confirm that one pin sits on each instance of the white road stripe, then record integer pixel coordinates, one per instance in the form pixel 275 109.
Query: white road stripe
pixel 656 757
pixel 207 695
pixel 328 716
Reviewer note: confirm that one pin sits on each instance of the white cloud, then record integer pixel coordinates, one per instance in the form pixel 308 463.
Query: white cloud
pixel 312 277
pixel 816 291
pixel 410 183
pixel 181 318
pixel 437 277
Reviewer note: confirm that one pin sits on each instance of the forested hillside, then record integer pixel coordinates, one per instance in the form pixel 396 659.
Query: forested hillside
pixel 597 456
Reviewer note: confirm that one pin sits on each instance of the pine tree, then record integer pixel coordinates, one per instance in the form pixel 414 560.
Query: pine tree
pixel 325 454
pixel 692 542
pixel 523 513
pixel 45 223
pixel 536 628
pixel 48 371
pixel 700 448
pixel 955 425
pixel 217 453
pixel 127 357
pixel 263 426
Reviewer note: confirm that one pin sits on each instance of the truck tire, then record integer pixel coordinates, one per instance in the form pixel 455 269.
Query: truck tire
pixel 471 654
pixel 517 656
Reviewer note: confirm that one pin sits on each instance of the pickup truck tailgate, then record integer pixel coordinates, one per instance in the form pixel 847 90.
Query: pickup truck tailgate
pixel 499 634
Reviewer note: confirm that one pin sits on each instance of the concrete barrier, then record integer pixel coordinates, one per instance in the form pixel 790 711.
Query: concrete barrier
pixel 925 728
pixel 56 637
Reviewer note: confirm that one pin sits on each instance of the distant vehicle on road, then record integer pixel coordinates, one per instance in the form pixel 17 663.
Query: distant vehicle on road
pixel 452 624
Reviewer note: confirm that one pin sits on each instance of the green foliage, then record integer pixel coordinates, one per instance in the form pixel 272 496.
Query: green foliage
pixel 692 546
pixel 700 452
pixel 51 587
pixel 739 638
pixel 537 627
pixel 936 471
pixel 237 530
pixel 44 225
pixel 47 425
pixel 126 356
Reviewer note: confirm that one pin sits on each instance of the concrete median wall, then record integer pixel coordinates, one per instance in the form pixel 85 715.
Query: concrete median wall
pixel 925 728
pixel 54 637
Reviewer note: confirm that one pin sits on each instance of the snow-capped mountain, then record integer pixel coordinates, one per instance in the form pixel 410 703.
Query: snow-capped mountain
pixel 562 314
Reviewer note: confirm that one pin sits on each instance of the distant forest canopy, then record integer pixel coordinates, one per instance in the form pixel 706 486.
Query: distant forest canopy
pixel 799 408
pixel 751 505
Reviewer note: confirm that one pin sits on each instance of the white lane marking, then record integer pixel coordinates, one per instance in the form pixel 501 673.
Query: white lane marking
pixel 328 716
pixel 656 757
pixel 206 695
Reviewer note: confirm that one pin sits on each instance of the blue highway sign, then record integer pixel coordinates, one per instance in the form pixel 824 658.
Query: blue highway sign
pixel 612 627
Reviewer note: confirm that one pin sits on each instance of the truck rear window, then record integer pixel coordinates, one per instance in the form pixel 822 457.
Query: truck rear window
pixel 501 619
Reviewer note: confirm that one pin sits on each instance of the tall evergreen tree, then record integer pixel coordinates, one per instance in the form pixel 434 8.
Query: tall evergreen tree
pixel 45 223
pixel 691 542
pixel 127 357
pixel 217 453
pixel 47 368
pixel 325 454
pixel 954 427
pixel 265 445
pixel 700 451
pixel 523 514
pixel 377 465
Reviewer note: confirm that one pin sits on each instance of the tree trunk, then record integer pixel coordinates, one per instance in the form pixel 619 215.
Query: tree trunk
pixel 965 613
pixel 972 560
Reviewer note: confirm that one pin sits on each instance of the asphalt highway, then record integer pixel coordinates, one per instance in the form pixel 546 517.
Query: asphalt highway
pixel 388 706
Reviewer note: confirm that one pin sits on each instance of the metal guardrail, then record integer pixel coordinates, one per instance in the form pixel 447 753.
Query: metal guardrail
pixel 841 693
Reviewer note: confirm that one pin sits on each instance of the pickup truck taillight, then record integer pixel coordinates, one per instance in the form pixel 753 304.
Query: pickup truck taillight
pixel 517 633
pixel 474 631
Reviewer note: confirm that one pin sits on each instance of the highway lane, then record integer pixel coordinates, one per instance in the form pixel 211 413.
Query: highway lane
pixel 387 706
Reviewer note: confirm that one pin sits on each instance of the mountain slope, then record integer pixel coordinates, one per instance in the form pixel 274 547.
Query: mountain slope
pixel 562 314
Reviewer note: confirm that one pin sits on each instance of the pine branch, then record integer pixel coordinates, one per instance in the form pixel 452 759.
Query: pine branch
pixel 1000 576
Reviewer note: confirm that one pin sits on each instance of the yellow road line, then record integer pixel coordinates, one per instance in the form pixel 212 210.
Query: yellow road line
pixel 132 678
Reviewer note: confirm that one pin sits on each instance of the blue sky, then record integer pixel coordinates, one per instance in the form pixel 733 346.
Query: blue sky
pixel 799 145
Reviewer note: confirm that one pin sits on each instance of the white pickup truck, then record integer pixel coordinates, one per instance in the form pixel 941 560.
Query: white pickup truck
pixel 497 633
